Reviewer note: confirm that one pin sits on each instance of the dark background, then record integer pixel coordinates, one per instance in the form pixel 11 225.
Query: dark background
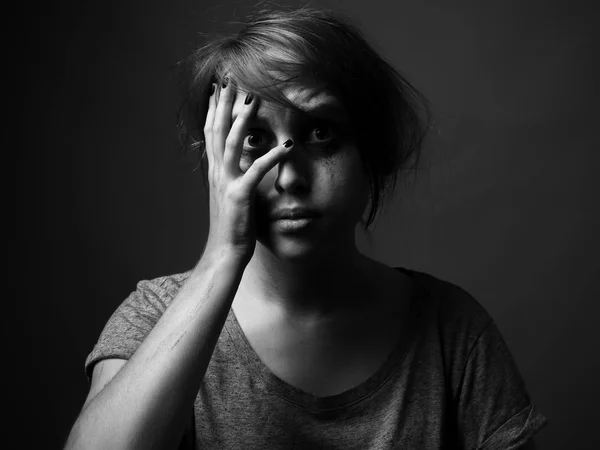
pixel 505 206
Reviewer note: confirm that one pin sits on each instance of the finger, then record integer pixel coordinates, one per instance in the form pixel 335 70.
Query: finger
pixel 234 143
pixel 208 124
pixel 222 121
pixel 262 165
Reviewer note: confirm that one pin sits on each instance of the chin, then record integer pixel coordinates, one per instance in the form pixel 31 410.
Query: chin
pixel 311 242
pixel 291 250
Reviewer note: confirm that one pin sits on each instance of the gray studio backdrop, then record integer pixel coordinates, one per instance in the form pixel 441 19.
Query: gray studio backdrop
pixel 505 204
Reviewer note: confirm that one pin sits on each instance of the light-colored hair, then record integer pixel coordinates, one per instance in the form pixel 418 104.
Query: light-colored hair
pixel 389 116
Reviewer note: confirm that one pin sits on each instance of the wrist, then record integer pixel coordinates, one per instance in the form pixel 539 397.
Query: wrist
pixel 223 258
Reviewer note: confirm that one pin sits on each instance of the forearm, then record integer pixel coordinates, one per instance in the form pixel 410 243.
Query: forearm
pixel 147 404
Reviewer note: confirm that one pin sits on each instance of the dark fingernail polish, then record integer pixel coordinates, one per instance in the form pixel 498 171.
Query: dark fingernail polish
pixel 212 88
pixel 288 143
pixel 225 82
pixel 249 98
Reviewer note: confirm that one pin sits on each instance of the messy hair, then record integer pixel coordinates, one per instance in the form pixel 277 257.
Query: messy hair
pixel 276 47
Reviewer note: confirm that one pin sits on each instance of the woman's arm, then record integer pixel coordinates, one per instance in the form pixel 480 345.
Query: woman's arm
pixel 147 403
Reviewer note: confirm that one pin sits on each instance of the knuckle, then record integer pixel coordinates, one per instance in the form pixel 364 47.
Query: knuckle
pixel 244 113
pixel 256 166
pixel 231 141
pixel 263 161
pixel 213 177
pixel 254 171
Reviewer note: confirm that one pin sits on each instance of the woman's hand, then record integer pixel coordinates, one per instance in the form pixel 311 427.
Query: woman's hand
pixel 231 191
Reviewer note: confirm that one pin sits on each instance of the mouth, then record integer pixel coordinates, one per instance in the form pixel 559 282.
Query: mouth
pixel 292 214
pixel 293 225
pixel 291 220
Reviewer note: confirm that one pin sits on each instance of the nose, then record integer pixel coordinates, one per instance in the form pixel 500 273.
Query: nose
pixel 293 173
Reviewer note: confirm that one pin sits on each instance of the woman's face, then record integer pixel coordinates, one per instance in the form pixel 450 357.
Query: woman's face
pixel 322 174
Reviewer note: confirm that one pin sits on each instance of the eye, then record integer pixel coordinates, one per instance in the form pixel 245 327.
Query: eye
pixel 255 139
pixel 321 133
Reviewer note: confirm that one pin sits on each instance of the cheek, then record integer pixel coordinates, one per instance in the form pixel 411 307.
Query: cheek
pixel 245 162
pixel 347 183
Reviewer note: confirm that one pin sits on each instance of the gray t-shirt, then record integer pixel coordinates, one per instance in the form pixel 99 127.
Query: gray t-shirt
pixel 452 383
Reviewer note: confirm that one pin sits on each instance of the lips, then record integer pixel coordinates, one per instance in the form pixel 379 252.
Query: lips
pixel 295 213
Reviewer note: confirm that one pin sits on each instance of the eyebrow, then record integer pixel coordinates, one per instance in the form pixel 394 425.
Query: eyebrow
pixel 330 109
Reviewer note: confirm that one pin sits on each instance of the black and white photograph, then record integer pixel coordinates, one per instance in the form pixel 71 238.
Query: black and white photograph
pixel 308 225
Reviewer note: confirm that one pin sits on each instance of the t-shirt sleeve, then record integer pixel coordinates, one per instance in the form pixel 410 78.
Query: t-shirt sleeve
pixel 129 325
pixel 495 410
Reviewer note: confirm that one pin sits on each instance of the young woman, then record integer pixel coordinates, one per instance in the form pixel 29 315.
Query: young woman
pixel 284 335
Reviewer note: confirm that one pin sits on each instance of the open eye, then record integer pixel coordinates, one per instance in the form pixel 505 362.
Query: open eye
pixel 255 139
pixel 321 133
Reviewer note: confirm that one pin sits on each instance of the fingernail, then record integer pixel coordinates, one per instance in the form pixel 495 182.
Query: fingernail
pixel 249 98
pixel 213 87
pixel 225 82
pixel 288 143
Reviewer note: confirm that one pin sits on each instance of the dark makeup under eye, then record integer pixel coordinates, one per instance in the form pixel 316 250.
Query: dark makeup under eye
pixel 257 142
pixel 256 138
pixel 320 133
pixel 325 135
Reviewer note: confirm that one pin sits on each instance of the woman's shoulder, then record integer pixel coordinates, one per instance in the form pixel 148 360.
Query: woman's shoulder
pixel 447 302
pixel 162 289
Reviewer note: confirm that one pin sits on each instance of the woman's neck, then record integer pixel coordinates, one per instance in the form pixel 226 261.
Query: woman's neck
pixel 308 290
